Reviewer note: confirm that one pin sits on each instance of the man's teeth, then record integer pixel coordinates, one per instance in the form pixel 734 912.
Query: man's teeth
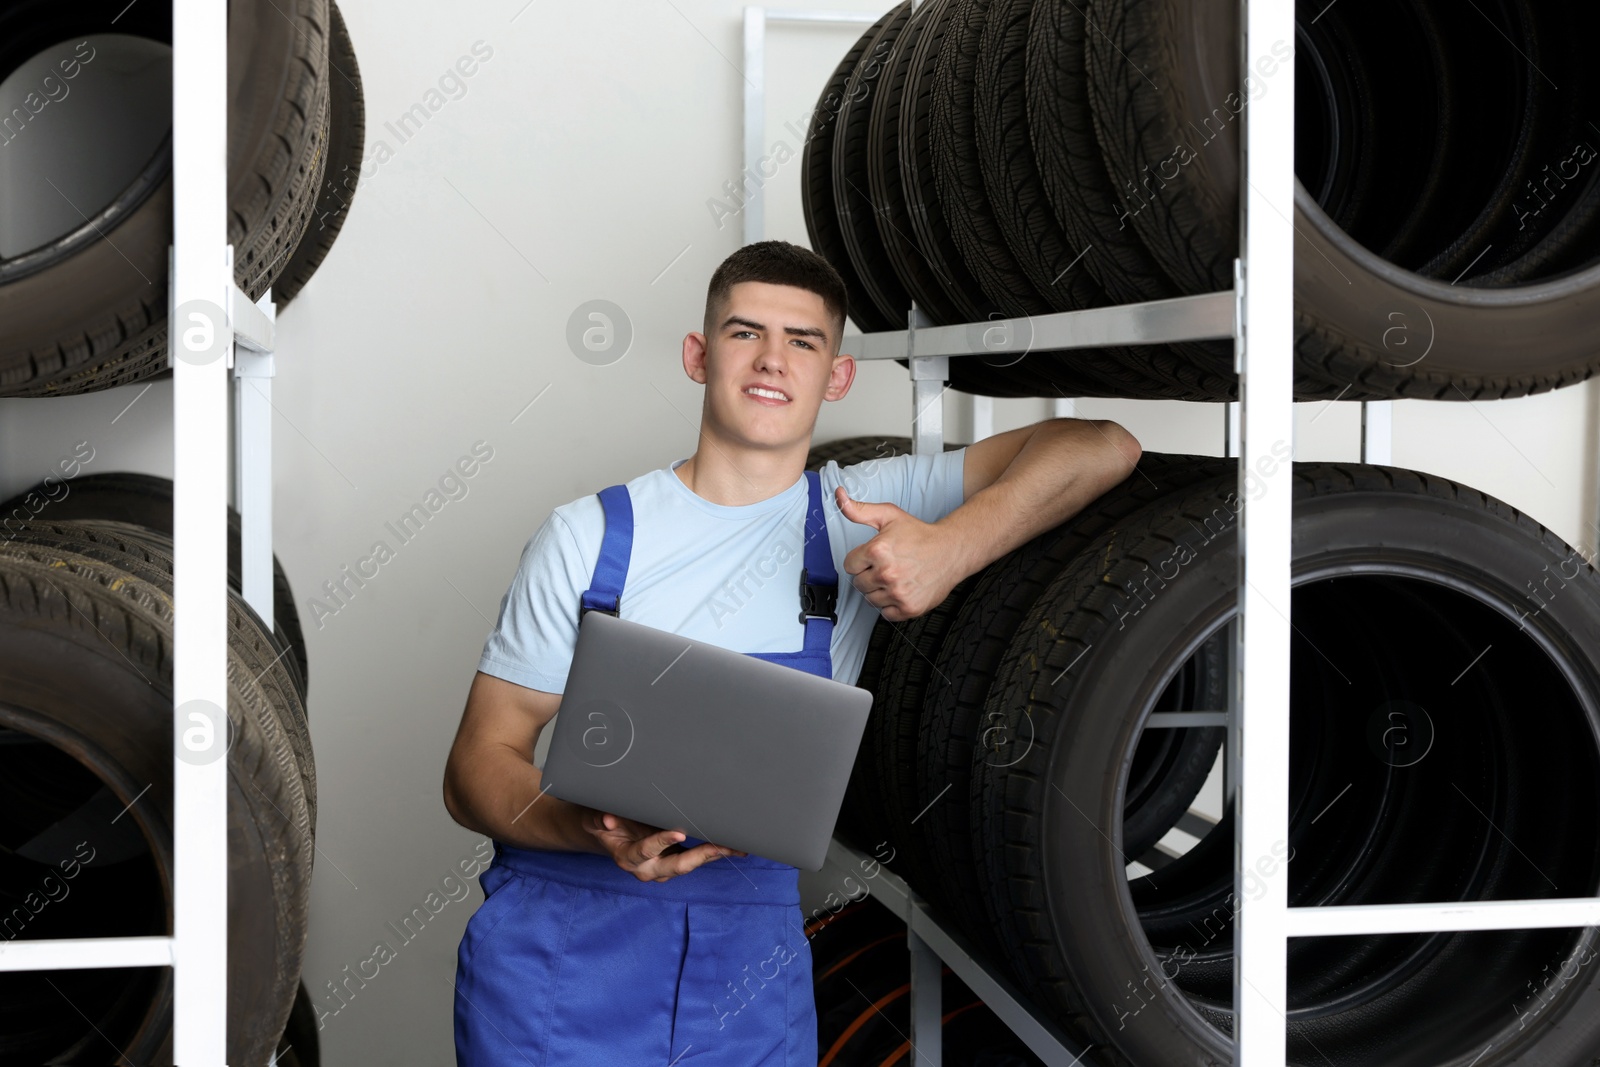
pixel 766 392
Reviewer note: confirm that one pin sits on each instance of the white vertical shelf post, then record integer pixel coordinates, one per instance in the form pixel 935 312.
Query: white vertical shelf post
pixel 755 120
pixel 980 416
pixel 200 339
pixel 928 377
pixel 1377 431
pixel 252 453
pixel 1265 351
pixel 928 374
pixel 756 20
pixel 927 992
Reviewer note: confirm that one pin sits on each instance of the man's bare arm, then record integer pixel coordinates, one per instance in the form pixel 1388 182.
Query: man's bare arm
pixel 1023 482
pixel 1017 484
pixel 490 783
pixel 492 786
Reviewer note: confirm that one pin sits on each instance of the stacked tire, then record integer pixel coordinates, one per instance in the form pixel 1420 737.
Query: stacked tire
pixel 86 219
pixel 86 739
pixel 851 450
pixel 1002 159
pixel 1445 746
pixel 146 500
pixel 86 727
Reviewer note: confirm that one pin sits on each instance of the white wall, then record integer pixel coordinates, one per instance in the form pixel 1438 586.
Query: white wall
pixel 577 166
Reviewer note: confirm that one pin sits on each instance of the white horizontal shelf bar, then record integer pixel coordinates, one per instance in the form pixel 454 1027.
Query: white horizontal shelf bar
pixel 83 953
pixel 1184 318
pixel 1039 1033
pixel 1336 920
pixel 1196 824
pixel 1177 720
pixel 252 326
pixel 779 15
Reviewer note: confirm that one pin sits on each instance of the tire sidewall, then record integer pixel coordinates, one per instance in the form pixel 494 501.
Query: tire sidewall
pixel 1092 915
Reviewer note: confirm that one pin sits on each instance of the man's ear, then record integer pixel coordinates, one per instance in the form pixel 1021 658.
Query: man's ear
pixel 694 356
pixel 840 376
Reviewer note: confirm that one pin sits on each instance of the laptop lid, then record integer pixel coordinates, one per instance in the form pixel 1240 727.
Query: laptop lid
pixel 687 735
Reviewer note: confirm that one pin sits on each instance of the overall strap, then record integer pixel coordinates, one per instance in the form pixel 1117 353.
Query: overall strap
pixel 611 569
pixel 819 582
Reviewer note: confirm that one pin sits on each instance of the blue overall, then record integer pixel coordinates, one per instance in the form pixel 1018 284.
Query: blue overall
pixel 571 961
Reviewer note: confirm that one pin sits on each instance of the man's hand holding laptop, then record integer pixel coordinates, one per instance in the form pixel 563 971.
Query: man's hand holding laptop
pixel 648 852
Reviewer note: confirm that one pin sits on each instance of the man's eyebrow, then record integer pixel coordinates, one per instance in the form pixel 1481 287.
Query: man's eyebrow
pixel 794 331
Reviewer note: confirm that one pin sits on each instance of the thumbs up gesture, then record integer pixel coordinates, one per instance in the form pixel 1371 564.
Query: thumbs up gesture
pixel 905 569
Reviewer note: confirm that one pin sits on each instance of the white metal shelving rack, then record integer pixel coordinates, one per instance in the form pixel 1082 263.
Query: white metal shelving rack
pixel 1258 315
pixel 208 313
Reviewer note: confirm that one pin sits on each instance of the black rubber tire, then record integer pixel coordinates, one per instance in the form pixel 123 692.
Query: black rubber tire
pixel 968 208
pixel 1546 127
pixel 1037 374
pixel 158 546
pixel 918 272
pixel 1003 150
pixel 1544 243
pixel 1360 320
pixel 1053 262
pixel 849 450
pixel 1378 553
pixel 1071 173
pixel 860 820
pixel 1170 767
pixel 958 176
pixel 1072 169
pixel 146 500
pixel 921 272
pixel 299 1046
pixel 85 662
pixel 1003 376
pixel 55 821
pixel 971 653
pixel 928 226
pixel 1033 374
pixel 285 138
pixel 147 555
pixel 1355 191
pixel 53 341
pixel 909 677
pixel 867 91
pixel 1421 189
pixel 889 744
pixel 973 204
pixel 922 267
pixel 347 124
pixel 816 187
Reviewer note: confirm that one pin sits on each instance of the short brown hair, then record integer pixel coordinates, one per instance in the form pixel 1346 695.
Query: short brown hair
pixel 777 263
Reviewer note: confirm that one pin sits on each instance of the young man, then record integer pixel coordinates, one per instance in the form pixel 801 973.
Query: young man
pixel 606 941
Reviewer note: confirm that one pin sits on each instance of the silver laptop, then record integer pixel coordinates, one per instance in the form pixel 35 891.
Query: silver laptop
pixel 690 736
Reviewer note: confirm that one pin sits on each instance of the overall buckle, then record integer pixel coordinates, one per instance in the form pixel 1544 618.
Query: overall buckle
pixel 818 600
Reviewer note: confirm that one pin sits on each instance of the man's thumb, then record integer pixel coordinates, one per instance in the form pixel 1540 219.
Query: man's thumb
pixel 866 513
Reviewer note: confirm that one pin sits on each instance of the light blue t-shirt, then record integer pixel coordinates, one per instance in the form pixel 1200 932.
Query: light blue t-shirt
pixel 729 576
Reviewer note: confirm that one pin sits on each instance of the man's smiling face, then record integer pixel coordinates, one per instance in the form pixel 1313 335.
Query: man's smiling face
pixel 768 364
